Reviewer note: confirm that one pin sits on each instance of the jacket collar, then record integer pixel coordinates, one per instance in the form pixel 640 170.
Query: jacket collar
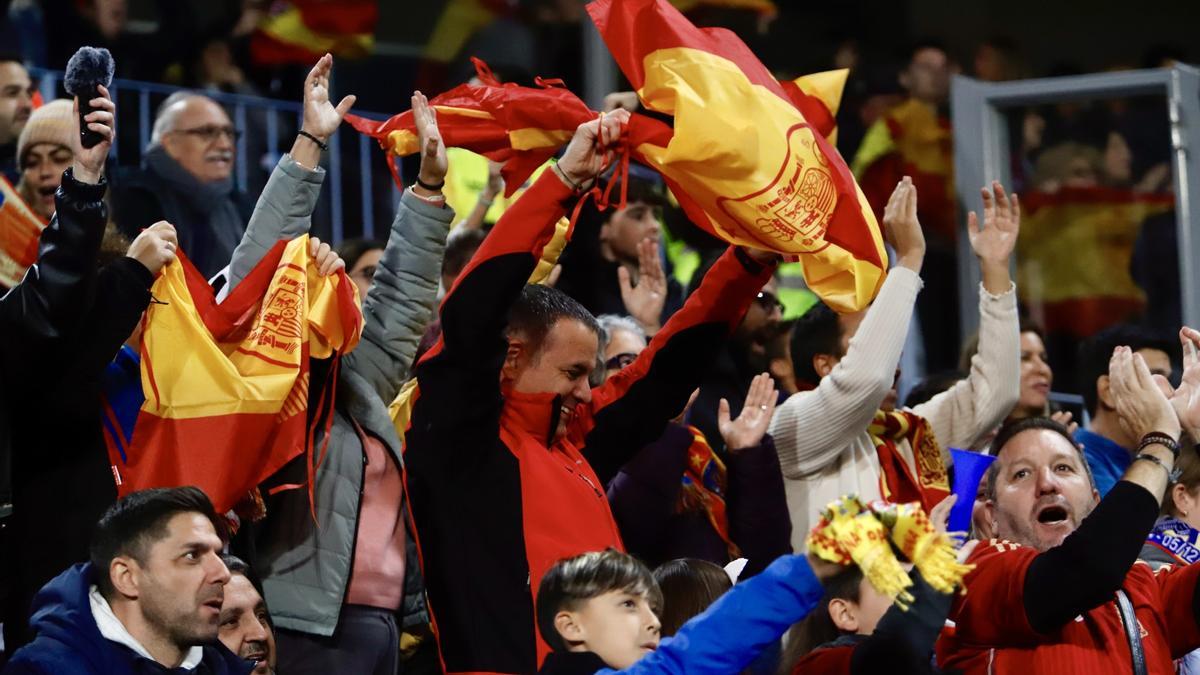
pixel 535 414
pixel 113 630
pixel 572 663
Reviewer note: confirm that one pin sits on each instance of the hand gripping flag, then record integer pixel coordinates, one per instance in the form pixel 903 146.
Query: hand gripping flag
pixel 20 230
pixel 743 149
pixel 227 385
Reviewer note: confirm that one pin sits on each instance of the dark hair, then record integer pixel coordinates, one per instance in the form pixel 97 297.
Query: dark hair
pixel 931 386
pixel 539 308
pixel 460 246
pixel 1010 430
pixel 576 580
pixel 818 628
pixel 919 44
pixel 11 57
pixel 688 587
pixel 1096 352
pixel 236 565
pixel 350 250
pixel 139 520
pixel 816 332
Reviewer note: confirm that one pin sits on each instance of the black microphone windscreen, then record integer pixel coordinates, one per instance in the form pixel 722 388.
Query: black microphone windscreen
pixel 88 67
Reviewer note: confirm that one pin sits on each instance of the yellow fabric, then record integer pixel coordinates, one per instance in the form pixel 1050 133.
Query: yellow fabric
pixel 766 7
pixel 1100 237
pixel 932 552
pixel 187 374
pixel 459 21
pixel 827 86
pixel 466 178
pixel 288 26
pixel 728 154
pixel 849 530
pixel 876 142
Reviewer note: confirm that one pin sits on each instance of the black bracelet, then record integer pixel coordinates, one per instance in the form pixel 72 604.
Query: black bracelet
pixel 1159 438
pixel 314 139
pixel 1172 474
pixel 431 188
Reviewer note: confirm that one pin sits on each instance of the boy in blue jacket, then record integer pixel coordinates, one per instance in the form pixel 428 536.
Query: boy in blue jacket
pixel 598 613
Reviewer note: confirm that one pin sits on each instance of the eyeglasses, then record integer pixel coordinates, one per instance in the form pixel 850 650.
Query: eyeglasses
pixel 209 133
pixel 620 361
pixel 768 301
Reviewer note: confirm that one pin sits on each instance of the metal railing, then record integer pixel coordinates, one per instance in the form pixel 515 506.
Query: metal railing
pixel 359 185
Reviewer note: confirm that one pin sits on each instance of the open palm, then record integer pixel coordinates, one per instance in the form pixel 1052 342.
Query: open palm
pixel 751 425
pixel 321 118
pixel 1185 399
pixel 1001 225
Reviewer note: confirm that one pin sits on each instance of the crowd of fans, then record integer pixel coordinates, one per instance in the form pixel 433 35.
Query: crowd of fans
pixel 601 451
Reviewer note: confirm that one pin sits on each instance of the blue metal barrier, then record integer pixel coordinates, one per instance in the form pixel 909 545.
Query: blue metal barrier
pixel 265 123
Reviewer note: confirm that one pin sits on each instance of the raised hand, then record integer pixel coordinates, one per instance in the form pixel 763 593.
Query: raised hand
pixel 1065 418
pixel 591 148
pixel 1140 402
pixel 902 228
pixel 1001 225
pixel 939 515
pixel 1186 398
pixel 321 118
pixel 429 139
pixel 89 162
pixel 645 301
pixel 155 246
pixel 751 425
pixel 327 260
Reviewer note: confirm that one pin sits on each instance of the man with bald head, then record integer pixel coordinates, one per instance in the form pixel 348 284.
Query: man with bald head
pixel 186 179
pixel 1060 589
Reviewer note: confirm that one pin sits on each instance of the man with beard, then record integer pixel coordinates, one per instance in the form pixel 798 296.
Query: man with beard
pixel 152 592
pixel 846 435
pixel 186 179
pixel 743 357
pixel 16 105
pixel 1061 590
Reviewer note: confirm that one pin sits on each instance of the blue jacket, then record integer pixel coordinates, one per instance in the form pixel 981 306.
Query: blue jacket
pixel 739 625
pixel 68 640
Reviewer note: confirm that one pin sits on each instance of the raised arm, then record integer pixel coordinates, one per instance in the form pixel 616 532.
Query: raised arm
pixel 973 407
pixel 633 406
pixel 50 300
pixel 811 429
pixel 1090 565
pixel 285 207
pixel 475 312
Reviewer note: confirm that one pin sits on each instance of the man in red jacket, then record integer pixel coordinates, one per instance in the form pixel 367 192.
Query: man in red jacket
pixel 1063 592
pixel 509 448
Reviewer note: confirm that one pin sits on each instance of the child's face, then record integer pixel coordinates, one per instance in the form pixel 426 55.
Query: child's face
pixel 619 627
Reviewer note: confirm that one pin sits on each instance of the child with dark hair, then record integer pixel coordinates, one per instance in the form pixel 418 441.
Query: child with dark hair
pixel 688 586
pixel 597 611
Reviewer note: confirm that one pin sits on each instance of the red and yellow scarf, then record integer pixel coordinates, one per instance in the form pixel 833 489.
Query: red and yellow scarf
pixel 704 484
pixel 897 482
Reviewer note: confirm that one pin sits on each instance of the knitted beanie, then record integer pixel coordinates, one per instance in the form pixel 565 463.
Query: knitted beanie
pixel 52 123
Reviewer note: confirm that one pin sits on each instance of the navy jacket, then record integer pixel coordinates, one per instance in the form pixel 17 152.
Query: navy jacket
pixel 68 640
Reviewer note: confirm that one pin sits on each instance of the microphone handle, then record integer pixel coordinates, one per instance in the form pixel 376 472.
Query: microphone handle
pixel 87 137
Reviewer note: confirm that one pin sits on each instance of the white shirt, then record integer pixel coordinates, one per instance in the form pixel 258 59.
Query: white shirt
pixel 112 629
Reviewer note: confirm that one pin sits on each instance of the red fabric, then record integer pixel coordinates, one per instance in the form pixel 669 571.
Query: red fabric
pixel 993 635
pixel 899 484
pixel 825 661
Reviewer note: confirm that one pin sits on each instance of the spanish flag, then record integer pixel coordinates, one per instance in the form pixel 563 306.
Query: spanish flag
pixel 1091 288
pixel 520 126
pixel 20 230
pixel 754 169
pixel 301 31
pixel 227 385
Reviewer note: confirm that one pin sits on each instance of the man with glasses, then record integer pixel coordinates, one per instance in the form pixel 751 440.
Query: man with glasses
pixel 186 179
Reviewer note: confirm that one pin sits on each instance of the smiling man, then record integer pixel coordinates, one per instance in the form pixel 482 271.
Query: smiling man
pixel 152 592
pixel 16 105
pixel 186 179
pixel 1060 589
pixel 509 448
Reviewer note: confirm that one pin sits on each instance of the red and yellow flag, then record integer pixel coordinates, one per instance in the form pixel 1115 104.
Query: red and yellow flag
pixel 20 230
pixel 743 150
pixel 1091 288
pixel 227 385
pixel 301 31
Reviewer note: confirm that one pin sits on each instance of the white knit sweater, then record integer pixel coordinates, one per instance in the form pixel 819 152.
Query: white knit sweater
pixel 821 435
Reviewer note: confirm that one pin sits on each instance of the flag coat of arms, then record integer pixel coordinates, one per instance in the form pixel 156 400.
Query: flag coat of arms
pixel 227 385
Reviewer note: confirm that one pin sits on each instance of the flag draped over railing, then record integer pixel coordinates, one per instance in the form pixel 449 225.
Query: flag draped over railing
pixel 227 385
